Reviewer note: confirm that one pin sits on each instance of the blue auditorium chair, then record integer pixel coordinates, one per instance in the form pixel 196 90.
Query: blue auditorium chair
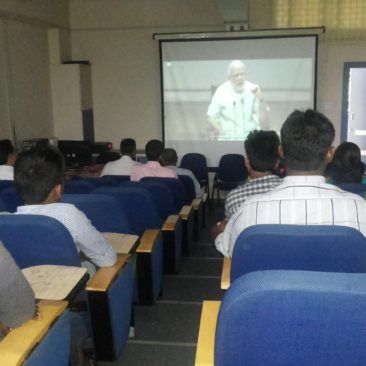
pixel 198 204
pixel 142 213
pixel 118 179
pixel 46 341
pixel 231 173
pixel 35 240
pixel 11 198
pixel 3 206
pixel 188 186
pixel 286 318
pixel 106 214
pixel 183 206
pixel 176 187
pixel 161 195
pixel 6 183
pixel 197 164
pixel 299 247
pixel 96 181
pixel 79 186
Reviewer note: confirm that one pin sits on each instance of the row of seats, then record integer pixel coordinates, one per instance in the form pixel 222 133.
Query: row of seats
pixel 125 208
pixel 296 296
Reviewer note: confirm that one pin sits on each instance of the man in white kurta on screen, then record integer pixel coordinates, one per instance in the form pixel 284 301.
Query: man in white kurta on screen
pixel 237 106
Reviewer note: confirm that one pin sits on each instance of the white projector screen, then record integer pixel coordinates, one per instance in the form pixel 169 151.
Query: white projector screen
pixel 279 77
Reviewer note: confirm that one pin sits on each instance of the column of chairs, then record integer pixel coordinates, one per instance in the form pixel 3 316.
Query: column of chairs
pixel 35 240
pixel 295 294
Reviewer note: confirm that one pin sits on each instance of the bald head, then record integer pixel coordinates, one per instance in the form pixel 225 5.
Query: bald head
pixel 236 74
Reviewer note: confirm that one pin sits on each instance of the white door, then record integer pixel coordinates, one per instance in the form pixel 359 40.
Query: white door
pixel 356 110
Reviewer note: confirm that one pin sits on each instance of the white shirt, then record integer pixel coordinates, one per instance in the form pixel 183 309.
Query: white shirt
pixel 86 237
pixel 299 200
pixel 181 171
pixel 6 172
pixel 122 166
pixel 237 112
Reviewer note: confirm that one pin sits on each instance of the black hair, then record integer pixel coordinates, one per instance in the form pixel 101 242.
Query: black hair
pixel 346 166
pixel 169 157
pixel 306 137
pixel 262 150
pixel 6 149
pixel 154 149
pixel 37 172
pixel 128 146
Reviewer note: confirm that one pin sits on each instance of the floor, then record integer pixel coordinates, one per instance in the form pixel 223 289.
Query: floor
pixel 166 333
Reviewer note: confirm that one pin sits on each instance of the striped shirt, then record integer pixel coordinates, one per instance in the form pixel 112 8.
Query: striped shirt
pixel 86 237
pixel 299 200
pixel 237 196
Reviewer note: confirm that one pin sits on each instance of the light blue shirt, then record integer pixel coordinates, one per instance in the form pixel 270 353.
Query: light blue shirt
pixel 86 237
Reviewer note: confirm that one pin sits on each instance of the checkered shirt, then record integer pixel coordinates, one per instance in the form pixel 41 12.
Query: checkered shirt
pixel 237 196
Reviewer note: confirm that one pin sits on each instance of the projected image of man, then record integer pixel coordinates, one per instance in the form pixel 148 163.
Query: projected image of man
pixel 236 106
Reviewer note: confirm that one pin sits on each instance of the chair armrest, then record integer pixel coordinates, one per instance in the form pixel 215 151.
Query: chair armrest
pixel 225 274
pixel 105 276
pixel 206 336
pixel 122 243
pixel 18 344
pixel 185 212
pixel 196 203
pixel 148 241
pixel 170 223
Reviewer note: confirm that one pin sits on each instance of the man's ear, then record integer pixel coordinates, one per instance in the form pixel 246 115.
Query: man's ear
pixel 280 152
pixel 247 163
pixel 58 192
pixel 329 155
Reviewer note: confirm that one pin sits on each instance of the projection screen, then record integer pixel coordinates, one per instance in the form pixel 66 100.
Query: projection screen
pixel 215 91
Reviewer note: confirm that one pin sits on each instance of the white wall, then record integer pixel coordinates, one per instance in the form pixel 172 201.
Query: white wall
pixel 25 95
pixel 116 38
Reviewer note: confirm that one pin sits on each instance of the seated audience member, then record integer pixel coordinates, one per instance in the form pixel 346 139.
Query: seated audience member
pixel 38 176
pixel 152 168
pixel 303 198
pixel 346 166
pixel 17 303
pixel 7 160
pixel 169 159
pixel 262 157
pixel 123 165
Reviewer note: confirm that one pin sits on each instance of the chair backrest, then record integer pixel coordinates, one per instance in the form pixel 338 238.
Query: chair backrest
pixel 299 247
pixel 34 240
pixel 293 318
pixel 176 187
pixel 161 194
pixel 189 186
pixel 357 188
pixel 196 163
pixel 11 198
pixel 6 183
pixel 79 186
pixel 138 205
pixel 96 181
pixel 3 206
pixel 104 212
pixel 232 168
pixel 118 179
